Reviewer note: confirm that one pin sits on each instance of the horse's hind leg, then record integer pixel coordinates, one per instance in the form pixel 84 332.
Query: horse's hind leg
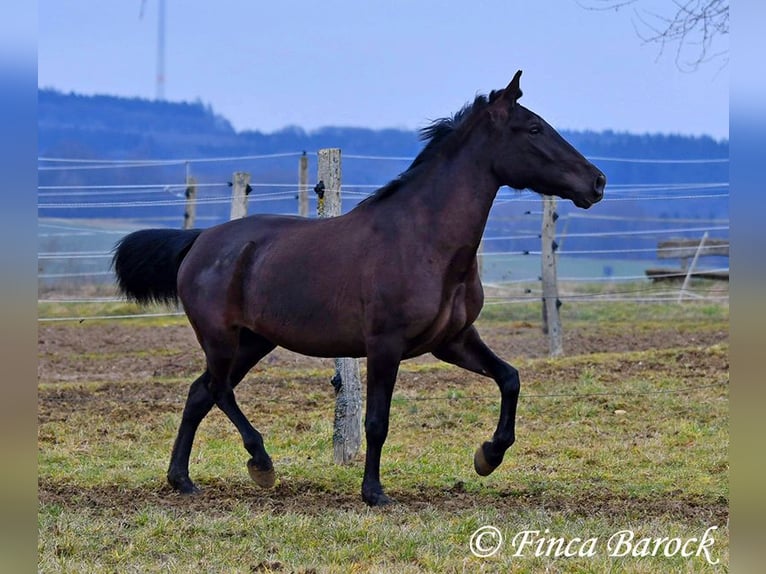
pixel 468 351
pixel 250 350
pixel 198 404
pixel 224 373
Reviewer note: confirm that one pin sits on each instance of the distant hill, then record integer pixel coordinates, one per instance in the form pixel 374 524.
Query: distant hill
pixel 107 127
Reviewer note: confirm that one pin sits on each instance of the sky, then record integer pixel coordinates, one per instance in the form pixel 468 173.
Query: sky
pixel 266 65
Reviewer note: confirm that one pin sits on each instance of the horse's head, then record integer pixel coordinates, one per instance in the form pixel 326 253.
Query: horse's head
pixel 531 154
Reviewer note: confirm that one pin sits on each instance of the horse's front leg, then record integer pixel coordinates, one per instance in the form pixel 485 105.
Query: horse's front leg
pixel 468 351
pixel 383 360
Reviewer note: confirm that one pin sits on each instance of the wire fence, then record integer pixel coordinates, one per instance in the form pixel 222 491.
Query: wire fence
pixel 79 222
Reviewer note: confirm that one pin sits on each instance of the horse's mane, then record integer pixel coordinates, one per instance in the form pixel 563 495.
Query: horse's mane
pixel 438 135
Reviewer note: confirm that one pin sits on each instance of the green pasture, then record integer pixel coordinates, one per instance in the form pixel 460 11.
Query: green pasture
pixel 606 442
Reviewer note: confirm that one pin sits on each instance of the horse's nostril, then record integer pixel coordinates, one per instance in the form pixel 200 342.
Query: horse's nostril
pixel 600 184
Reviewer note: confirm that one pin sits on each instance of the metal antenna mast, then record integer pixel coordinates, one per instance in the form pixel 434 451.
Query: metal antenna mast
pixel 160 79
pixel 161 51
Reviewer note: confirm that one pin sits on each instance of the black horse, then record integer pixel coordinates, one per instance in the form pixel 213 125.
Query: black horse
pixel 403 282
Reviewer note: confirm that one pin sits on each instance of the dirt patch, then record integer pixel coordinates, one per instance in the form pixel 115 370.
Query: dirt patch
pixel 218 497
pixel 120 351
pixel 277 390
pixel 122 372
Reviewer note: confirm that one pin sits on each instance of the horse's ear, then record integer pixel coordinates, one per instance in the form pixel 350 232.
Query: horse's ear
pixel 512 92
pixel 505 100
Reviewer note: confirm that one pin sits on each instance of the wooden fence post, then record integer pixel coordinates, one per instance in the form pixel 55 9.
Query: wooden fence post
pixel 329 177
pixel 303 185
pixel 551 303
pixel 190 209
pixel 240 188
pixel 347 432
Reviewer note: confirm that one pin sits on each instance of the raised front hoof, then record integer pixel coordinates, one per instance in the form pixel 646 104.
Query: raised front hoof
pixel 480 463
pixel 263 478
pixel 183 485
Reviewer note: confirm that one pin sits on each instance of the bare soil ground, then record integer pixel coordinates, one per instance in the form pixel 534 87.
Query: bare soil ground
pixel 121 351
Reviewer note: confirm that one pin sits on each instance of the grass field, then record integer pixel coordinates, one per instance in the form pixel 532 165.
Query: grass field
pixel 628 432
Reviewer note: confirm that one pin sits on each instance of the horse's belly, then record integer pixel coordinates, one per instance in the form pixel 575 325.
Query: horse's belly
pixel 453 316
pixel 321 347
pixel 313 336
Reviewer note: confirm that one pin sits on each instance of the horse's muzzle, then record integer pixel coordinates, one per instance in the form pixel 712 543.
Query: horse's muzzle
pixel 596 195
pixel 598 187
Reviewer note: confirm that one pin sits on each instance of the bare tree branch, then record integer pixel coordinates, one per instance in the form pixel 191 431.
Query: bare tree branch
pixel 692 28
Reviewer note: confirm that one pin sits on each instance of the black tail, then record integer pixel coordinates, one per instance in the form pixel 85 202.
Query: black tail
pixel 146 263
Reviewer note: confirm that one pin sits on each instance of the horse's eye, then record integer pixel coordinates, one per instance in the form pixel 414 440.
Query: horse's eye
pixel 535 130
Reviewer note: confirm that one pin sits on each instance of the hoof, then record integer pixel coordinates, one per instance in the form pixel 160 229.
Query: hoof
pixel 263 478
pixel 184 485
pixel 378 499
pixel 480 464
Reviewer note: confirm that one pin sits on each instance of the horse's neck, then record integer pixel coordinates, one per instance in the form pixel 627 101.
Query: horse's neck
pixel 453 200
